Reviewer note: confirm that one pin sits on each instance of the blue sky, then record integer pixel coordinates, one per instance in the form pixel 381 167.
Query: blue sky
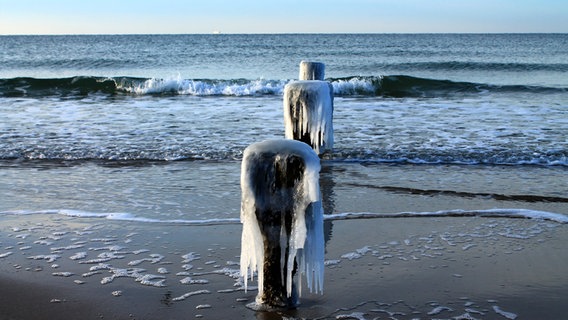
pixel 290 16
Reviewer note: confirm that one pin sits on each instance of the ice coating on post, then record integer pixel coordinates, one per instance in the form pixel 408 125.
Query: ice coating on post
pixel 308 113
pixel 312 70
pixel 282 221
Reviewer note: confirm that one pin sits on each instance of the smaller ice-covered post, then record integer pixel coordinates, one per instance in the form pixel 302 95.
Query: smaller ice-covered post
pixel 312 70
pixel 282 219
pixel 308 113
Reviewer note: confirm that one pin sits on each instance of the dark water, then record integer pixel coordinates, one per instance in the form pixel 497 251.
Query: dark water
pixel 483 99
pixel 511 59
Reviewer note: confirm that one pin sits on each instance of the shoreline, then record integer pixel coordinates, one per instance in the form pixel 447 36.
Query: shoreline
pixel 403 267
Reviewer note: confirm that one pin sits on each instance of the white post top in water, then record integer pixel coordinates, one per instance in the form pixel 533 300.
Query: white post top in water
pixel 312 70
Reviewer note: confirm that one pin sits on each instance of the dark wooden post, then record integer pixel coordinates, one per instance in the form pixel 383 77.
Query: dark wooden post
pixel 282 221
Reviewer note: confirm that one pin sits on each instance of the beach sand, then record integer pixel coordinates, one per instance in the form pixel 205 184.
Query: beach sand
pixel 57 266
pixel 409 268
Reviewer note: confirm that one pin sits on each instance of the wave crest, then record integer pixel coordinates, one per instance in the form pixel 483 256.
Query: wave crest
pixel 398 86
pixel 203 87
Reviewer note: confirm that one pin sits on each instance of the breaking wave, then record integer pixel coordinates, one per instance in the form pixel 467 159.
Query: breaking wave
pixel 397 86
pixel 82 86
pixel 401 86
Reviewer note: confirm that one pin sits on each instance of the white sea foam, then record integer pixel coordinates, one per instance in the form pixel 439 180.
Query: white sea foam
pixel 351 255
pixel 69 247
pixel 491 213
pixel 153 259
pixel 95 260
pixel 78 256
pixel 47 257
pixel 189 294
pixel 190 257
pixel 121 217
pixel 5 254
pixel 177 85
pixel 353 86
pixel 354 315
pixel 190 280
pixel 151 280
pixel 508 315
pixel 438 310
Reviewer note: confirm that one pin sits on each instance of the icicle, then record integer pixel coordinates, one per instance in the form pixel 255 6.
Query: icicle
pixel 308 113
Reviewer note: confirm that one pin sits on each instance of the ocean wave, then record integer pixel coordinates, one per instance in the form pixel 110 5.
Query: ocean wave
pixel 82 86
pixel 203 87
pixel 555 157
pixel 78 63
pixel 402 86
pixel 398 86
pixel 481 66
pixel 490 213
pixel 62 87
pixel 234 153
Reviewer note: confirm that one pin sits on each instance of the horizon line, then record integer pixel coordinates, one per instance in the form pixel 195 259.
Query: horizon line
pixel 275 33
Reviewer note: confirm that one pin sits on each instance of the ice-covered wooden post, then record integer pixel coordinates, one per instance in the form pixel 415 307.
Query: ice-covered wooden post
pixel 282 221
pixel 312 70
pixel 308 113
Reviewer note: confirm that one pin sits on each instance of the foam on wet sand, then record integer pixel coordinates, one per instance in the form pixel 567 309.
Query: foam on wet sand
pixel 454 267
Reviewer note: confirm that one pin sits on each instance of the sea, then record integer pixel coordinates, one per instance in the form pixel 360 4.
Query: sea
pixel 445 194
pixel 153 127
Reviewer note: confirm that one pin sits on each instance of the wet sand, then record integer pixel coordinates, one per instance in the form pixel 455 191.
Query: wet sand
pixel 54 266
pixel 405 268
